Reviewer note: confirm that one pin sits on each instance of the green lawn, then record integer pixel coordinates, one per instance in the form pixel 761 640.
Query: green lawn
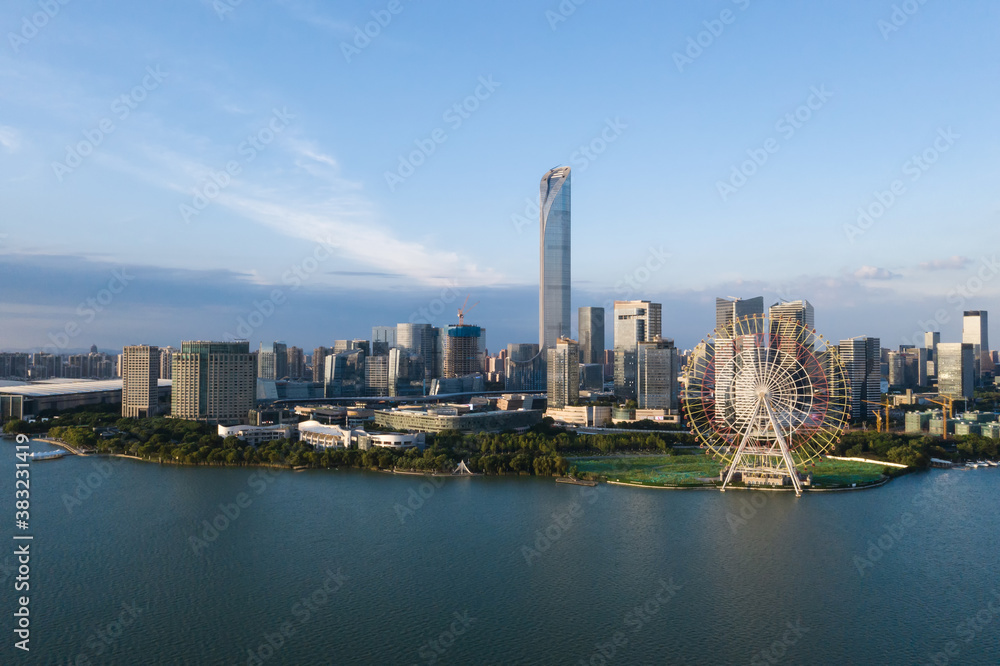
pixel 659 470
pixel 697 468
pixel 844 473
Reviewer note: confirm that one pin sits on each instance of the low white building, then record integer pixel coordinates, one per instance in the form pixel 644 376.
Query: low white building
pixel 391 440
pixel 256 435
pixel 324 436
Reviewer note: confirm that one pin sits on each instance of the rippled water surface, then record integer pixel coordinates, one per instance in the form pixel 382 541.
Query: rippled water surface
pixel 347 567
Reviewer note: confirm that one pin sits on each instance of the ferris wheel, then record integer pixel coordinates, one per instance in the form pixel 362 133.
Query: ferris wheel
pixel 766 396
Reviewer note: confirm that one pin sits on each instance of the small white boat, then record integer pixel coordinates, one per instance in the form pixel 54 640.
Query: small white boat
pixel 46 455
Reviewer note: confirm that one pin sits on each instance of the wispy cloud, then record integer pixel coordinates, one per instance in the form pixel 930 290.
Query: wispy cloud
pixel 10 138
pixel 951 263
pixel 307 12
pixel 874 273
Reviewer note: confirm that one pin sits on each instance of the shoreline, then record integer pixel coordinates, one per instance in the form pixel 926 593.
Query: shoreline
pixel 73 451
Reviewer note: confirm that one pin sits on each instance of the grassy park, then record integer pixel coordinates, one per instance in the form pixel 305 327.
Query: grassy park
pixel 699 469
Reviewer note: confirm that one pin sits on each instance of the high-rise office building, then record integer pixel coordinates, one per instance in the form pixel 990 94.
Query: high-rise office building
pixel 657 367
pixel 377 375
pixel 525 368
pixel 801 312
pixel 729 309
pixel 383 339
pixel 348 345
pixel 862 359
pixel 554 274
pixel 635 322
pixel 421 340
pixel 215 382
pixel 931 340
pixel 272 361
pixel 140 370
pixel 319 363
pixel 974 332
pixel 591 330
pixel 956 367
pixel 296 363
pixel 563 373
pixel 344 374
pixel 166 362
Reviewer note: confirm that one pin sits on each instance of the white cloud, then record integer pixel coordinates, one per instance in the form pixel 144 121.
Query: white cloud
pixel 873 273
pixel 951 263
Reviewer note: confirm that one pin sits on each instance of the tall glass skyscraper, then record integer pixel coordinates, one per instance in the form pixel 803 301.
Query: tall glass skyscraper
pixel 554 274
pixel 974 332
pixel 591 329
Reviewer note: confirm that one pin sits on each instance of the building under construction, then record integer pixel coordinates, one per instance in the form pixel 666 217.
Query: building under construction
pixel 464 351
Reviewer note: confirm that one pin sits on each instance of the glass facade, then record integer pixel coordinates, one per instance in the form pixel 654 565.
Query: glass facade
pixel 955 368
pixel 635 322
pixel 591 328
pixel 564 374
pixel 272 361
pixel 728 309
pixel 525 368
pixel 554 274
pixel 861 357
pixel 974 332
pixel 657 369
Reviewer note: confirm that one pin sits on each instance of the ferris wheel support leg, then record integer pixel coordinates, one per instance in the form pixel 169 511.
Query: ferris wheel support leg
pixel 786 453
pixel 742 447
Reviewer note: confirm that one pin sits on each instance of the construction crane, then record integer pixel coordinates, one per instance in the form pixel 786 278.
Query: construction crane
pixel 947 409
pixel 463 310
pixel 885 404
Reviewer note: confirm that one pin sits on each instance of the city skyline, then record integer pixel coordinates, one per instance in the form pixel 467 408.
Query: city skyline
pixel 313 215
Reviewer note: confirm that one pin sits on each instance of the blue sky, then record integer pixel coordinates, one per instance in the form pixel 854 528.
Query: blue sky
pixel 240 150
